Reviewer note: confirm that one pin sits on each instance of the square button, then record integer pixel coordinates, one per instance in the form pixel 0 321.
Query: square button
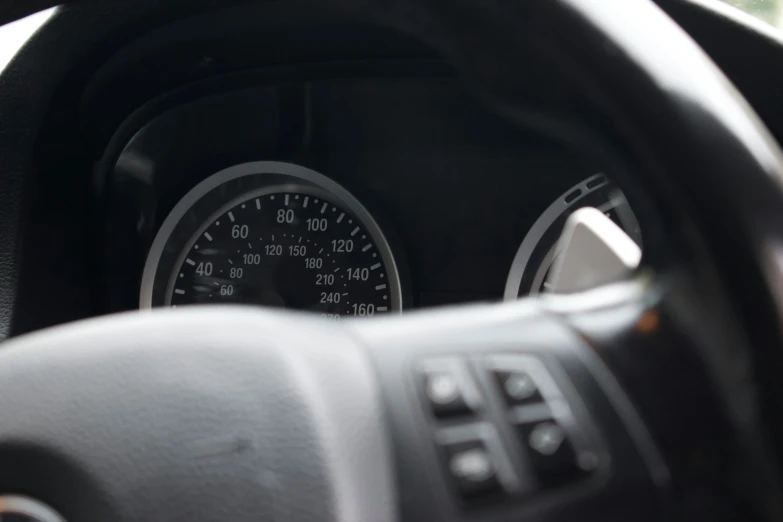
pixel 472 469
pixel 447 389
pixel 445 393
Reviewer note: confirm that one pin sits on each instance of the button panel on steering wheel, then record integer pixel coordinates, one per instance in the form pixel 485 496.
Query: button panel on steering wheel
pixel 548 445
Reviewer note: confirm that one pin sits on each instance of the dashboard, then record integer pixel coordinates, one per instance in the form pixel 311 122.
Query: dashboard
pixel 166 129
pixel 293 155
pixel 344 197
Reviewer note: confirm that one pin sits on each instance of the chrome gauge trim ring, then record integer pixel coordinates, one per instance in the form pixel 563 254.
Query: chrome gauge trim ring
pixel 301 177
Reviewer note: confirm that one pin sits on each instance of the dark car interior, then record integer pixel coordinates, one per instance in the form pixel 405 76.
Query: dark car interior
pixel 390 260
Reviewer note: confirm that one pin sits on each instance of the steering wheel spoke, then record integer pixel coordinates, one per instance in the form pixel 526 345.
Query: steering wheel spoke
pixel 504 411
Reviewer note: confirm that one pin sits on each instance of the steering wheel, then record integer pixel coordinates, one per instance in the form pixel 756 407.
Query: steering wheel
pixel 650 399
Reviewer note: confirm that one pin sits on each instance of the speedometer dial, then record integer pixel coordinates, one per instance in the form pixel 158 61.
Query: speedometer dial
pixel 277 235
pixel 293 249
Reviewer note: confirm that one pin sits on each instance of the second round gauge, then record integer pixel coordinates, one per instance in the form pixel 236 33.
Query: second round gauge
pixel 286 247
pixel 539 249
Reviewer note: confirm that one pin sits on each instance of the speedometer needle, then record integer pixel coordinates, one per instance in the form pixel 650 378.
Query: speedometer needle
pixel 592 251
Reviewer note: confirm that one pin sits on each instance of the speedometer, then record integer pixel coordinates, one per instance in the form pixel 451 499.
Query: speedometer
pixel 273 234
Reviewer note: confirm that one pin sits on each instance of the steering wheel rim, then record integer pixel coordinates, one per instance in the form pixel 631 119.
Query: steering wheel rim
pixel 613 50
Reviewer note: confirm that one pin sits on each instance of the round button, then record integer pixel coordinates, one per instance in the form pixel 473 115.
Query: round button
pixel 442 388
pixel 546 438
pixel 520 386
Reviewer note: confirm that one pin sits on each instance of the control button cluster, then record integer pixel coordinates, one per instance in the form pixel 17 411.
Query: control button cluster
pixel 543 420
pixel 520 397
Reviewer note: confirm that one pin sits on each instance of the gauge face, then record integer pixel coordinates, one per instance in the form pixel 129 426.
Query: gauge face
pixel 286 249
pixel 273 234
pixel 538 251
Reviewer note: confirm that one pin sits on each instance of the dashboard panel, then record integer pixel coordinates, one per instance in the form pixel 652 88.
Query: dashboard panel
pixel 470 196
pixel 457 186
pixel 459 204
pixel 454 187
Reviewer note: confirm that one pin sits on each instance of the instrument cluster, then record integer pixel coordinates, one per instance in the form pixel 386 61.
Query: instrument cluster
pixel 344 198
